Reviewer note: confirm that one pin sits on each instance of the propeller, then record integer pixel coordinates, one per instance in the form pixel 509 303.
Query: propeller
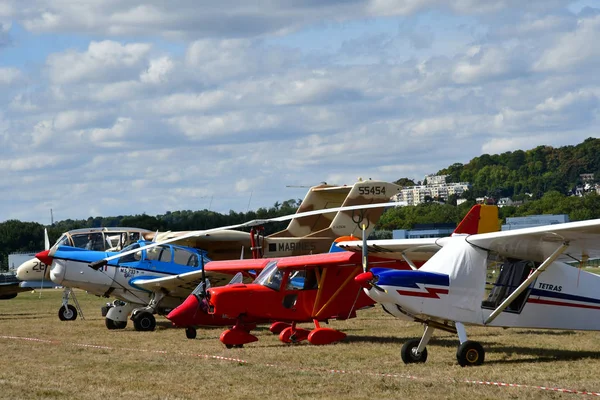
pixel 100 263
pixel 367 280
pixel 46 248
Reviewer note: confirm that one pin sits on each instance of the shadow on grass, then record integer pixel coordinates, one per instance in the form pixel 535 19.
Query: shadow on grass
pixel 544 332
pixel 539 354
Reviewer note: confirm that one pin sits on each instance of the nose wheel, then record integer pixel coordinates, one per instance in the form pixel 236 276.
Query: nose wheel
pixel 409 352
pixel 67 313
pixel 190 332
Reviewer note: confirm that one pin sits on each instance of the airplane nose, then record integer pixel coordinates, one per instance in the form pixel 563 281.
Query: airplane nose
pixel 57 272
pixel 364 280
pixel 44 256
pixel 183 315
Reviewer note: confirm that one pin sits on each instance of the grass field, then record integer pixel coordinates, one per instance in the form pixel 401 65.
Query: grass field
pixel 43 357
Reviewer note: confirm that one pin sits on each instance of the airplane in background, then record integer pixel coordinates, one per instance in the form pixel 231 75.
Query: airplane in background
pixel 535 288
pixel 311 234
pixel 148 289
pixel 292 290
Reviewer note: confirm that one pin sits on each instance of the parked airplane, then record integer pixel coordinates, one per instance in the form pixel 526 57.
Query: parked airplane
pixel 142 297
pixel 35 274
pixel 535 288
pixel 292 290
pixel 311 234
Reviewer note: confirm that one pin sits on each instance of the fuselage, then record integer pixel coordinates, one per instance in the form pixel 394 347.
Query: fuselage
pixel 70 268
pixel 562 296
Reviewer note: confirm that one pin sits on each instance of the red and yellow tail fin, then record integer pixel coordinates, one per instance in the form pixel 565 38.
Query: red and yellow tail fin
pixel 481 218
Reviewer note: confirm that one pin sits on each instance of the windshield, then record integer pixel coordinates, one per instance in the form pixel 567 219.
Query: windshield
pixel 270 277
pixel 131 257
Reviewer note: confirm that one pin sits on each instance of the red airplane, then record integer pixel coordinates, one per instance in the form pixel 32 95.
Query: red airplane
pixel 289 290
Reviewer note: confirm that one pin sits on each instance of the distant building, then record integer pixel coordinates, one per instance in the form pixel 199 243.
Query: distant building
pixel 425 231
pixel 505 201
pixel 436 188
pixel 534 220
pixel 587 177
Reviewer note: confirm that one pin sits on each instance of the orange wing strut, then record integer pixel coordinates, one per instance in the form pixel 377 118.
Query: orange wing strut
pixel 342 286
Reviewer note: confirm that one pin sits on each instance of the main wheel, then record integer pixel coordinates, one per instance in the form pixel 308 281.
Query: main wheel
pixel 144 321
pixel 112 324
pixel 470 353
pixel 68 313
pixel 409 355
pixel 190 332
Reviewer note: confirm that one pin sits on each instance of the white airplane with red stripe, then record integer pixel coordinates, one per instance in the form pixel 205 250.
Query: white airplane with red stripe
pixel 517 278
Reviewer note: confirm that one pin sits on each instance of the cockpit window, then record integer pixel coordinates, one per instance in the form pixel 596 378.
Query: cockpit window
pixel 63 241
pixel 131 257
pixel 271 276
pixel 159 253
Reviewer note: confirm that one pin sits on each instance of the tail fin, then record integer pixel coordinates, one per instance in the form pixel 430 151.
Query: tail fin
pixel 351 222
pixel 481 218
pixel 343 223
pixel 318 198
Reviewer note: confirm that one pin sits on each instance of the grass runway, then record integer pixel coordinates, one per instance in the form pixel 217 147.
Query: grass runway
pixel 44 358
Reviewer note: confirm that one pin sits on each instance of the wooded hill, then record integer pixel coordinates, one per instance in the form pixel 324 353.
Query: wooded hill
pixel 543 177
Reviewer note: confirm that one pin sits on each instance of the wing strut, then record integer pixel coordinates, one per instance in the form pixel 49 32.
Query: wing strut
pixel 527 282
pixel 408 261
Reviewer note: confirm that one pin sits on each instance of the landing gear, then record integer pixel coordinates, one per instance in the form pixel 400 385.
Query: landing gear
pixel 144 321
pixel 238 336
pixel 112 324
pixel 190 332
pixel 409 352
pixel 116 314
pixel 318 336
pixel 67 313
pixel 469 354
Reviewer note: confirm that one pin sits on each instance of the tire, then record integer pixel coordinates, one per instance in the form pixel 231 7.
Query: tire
pixel 470 354
pixel 68 313
pixel 407 352
pixel 190 332
pixel 144 322
pixel 112 324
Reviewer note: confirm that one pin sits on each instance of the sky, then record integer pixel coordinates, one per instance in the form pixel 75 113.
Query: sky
pixel 111 107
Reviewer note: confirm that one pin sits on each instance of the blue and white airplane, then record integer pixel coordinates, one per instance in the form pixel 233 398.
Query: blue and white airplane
pixel 127 279
pixel 534 286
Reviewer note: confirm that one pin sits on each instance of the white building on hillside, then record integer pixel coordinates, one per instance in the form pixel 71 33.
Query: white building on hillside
pixel 435 188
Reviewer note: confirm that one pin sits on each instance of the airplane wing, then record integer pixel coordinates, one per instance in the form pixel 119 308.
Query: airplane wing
pixel 218 272
pixel 397 249
pixel 538 243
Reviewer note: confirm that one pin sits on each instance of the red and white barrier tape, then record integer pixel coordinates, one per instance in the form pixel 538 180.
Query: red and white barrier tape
pixel 333 371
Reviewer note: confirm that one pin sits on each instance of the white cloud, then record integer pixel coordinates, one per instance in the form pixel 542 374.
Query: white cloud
pixel 158 71
pixel 573 48
pixel 10 75
pixel 102 60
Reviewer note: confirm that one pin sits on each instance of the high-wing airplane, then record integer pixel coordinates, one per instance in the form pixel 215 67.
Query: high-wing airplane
pixel 311 234
pixel 160 287
pixel 534 288
pixel 291 290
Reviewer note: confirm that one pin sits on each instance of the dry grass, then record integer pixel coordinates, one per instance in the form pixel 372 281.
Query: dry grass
pixel 43 357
